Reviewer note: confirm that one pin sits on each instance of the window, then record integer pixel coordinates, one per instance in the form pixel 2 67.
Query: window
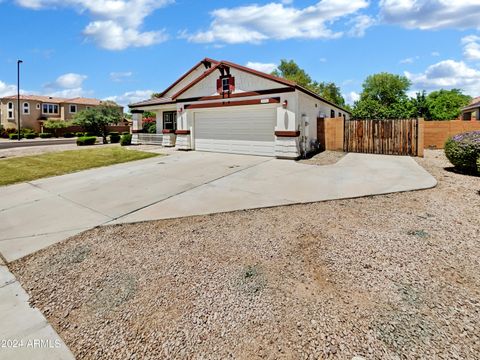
pixel 38 106
pixel 339 114
pixel 170 120
pixel 332 113
pixel 26 108
pixel 225 84
pixel 73 109
pixel 50 109
pixel 10 110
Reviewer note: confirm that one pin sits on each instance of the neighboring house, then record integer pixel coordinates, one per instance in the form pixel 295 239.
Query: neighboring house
pixel 472 111
pixel 36 109
pixel 224 107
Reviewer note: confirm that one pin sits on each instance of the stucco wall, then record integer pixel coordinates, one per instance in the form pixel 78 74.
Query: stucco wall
pixel 187 80
pixel 243 82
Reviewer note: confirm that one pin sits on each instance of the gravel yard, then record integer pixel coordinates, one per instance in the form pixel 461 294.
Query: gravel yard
pixel 386 277
pixel 326 157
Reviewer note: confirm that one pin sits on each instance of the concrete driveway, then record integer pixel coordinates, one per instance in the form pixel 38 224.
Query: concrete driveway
pixel 37 214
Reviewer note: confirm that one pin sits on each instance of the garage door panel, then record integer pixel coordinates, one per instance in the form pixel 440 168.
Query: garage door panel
pixel 236 131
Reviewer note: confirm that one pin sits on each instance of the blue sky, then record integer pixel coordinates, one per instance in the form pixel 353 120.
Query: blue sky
pixel 123 50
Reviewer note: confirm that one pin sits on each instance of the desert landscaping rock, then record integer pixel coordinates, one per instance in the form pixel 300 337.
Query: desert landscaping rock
pixel 385 277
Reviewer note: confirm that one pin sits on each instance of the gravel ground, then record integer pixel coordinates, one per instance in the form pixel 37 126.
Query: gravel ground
pixel 326 157
pixel 386 277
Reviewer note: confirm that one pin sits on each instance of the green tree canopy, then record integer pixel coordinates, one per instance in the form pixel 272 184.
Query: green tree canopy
pixel 384 96
pixel 291 71
pixel 97 119
pixel 446 104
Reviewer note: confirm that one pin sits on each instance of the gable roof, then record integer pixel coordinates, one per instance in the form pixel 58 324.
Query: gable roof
pixel 57 100
pixel 202 62
pixel 218 64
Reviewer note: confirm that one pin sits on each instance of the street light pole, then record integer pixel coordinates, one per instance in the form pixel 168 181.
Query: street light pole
pixel 18 97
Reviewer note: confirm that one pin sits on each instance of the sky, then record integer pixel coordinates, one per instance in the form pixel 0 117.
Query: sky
pixel 123 50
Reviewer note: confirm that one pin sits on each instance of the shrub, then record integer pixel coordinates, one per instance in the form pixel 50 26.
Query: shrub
pixel 125 133
pixel 26 131
pixel 31 135
pixel 126 140
pixel 45 135
pixel 68 135
pixel 86 140
pixel 15 136
pixel 114 137
pixel 463 151
pixel 90 134
pixel 79 134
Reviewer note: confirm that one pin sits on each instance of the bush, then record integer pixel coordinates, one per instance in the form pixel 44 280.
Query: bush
pixel 86 140
pixel 45 135
pixel 31 135
pixel 126 140
pixel 26 131
pixel 79 134
pixel 68 135
pixel 125 133
pixel 15 136
pixel 463 151
pixel 90 134
pixel 114 137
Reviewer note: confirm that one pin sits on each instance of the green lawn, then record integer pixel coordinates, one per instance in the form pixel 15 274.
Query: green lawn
pixel 20 169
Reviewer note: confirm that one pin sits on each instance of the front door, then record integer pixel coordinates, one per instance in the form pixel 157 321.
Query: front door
pixel 170 120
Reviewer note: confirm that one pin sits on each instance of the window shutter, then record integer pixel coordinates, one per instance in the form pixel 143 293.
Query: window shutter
pixel 231 83
pixel 219 86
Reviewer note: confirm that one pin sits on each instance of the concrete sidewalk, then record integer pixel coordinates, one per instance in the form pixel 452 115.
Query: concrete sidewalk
pixel 25 333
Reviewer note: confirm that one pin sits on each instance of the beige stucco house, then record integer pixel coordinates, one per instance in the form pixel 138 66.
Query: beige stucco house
pixel 35 109
pixel 472 111
pixel 225 107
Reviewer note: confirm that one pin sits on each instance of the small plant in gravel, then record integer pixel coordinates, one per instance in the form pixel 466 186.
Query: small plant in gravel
pixel 113 291
pixel 419 233
pixel 252 280
pixel 463 151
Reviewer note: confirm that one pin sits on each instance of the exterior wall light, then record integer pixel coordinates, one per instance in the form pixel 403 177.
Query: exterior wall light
pixel 285 104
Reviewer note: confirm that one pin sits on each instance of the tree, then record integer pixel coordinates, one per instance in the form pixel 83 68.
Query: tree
pixel 97 119
pixel 291 71
pixel 330 91
pixel 446 104
pixel 420 105
pixel 384 96
pixel 54 125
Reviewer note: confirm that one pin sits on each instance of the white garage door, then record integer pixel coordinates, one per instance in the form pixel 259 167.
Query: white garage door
pixel 236 130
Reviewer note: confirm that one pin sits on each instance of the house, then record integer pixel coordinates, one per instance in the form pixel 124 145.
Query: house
pixel 224 107
pixel 472 111
pixel 35 109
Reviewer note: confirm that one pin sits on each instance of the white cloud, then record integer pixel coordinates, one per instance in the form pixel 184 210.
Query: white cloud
pixel 351 97
pixel 116 24
pixel 407 61
pixel 435 53
pixel 471 47
pixel 360 24
pixel 7 89
pixel 120 76
pixel 68 81
pixel 431 14
pixel 256 23
pixel 131 97
pixel 68 85
pixel 447 74
pixel 263 67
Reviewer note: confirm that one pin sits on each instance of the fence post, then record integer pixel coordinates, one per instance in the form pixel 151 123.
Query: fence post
pixel 420 137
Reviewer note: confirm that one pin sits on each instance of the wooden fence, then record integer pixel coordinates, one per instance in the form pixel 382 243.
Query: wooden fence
pixel 390 137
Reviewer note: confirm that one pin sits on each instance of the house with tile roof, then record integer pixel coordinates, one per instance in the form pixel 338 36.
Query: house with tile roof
pixel 472 111
pixel 221 106
pixel 35 109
